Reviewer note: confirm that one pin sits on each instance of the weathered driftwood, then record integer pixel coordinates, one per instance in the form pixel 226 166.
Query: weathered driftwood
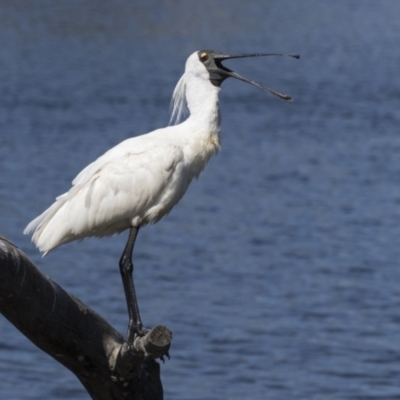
pixel 77 337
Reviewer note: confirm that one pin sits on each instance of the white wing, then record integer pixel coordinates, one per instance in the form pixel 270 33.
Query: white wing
pixel 136 182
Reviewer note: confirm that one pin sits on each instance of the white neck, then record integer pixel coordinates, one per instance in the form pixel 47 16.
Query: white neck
pixel 201 129
pixel 202 100
pixel 195 91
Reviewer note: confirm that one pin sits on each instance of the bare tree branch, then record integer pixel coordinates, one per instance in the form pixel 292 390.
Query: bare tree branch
pixel 76 336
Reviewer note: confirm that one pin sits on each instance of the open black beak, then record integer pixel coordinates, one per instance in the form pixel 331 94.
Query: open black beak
pixel 218 73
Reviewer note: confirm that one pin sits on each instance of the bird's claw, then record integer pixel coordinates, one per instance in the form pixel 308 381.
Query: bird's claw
pixel 142 331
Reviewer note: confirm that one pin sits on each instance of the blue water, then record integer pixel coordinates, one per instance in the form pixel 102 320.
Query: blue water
pixel 279 271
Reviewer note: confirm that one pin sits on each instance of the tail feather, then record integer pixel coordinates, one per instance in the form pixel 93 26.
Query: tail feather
pixel 39 224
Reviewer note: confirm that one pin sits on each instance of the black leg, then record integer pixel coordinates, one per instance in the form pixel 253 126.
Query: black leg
pixel 126 267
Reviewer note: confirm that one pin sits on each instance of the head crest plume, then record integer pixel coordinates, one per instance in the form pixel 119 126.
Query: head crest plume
pixel 178 106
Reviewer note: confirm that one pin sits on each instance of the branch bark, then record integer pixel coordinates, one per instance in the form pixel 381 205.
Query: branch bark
pixel 76 336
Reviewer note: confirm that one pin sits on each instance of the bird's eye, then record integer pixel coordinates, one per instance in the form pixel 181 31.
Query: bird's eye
pixel 203 56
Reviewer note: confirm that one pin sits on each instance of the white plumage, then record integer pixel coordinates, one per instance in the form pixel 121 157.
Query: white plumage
pixel 140 180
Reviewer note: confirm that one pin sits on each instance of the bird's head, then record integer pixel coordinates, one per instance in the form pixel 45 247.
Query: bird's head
pixel 212 60
pixel 205 67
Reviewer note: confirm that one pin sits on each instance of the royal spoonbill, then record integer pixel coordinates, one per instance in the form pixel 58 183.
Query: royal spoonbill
pixel 140 180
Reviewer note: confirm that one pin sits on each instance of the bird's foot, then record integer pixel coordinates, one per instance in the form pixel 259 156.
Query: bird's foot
pixel 142 331
pixel 135 331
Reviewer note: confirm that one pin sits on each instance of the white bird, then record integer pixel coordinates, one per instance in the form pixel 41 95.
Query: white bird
pixel 141 179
